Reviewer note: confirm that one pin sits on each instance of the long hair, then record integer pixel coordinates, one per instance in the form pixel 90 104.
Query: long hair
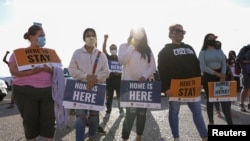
pixel 205 45
pixel 143 46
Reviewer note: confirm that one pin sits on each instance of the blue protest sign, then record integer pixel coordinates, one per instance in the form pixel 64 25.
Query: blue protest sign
pixel 115 66
pixel 141 95
pixel 77 96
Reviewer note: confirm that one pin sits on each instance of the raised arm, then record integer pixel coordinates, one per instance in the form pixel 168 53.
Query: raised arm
pixel 104 45
pixel 5 57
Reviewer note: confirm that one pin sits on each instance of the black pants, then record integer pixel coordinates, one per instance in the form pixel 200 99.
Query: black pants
pixel 226 106
pixel 113 85
pixel 131 114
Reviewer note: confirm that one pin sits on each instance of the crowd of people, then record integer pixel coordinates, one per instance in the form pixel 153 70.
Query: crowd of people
pixel 32 88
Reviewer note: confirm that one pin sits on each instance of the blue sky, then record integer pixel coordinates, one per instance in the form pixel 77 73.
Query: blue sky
pixel 65 20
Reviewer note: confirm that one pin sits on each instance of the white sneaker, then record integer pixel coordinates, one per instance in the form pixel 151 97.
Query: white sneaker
pixel 107 115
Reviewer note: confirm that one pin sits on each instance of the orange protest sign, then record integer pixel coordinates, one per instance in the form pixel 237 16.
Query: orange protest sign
pixel 28 58
pixel 185 90
pixel 222 92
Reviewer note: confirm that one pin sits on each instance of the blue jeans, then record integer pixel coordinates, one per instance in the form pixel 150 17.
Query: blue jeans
pixel 131 114
pixel 84 116
pixel 195 107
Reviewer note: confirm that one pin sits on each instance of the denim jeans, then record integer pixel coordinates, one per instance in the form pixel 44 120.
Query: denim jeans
pixel 195 107
pixel 131 114
pixel 83 116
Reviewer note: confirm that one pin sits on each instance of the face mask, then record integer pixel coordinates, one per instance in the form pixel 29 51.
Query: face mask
pixel 113 52
pixel 211 43
pixel 90 41
pixel 41 41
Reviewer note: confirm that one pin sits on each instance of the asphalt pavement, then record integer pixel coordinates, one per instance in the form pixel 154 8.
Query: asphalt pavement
pixel 157 127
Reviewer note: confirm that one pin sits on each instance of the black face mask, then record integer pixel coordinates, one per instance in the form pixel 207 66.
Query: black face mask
pixel 211 43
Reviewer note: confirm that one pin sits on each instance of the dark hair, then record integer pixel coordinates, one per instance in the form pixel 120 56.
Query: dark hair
pixel 204 46
pixel 143 46
pixel 32 31
pixel 87 30
pixel 112 45
pixel 218 44
pixel 233 52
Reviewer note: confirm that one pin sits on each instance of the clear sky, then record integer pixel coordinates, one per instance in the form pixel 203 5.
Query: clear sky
pixel 65 20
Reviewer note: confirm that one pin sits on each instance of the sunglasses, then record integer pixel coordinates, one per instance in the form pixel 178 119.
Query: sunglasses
pixel 179 31
pixel 113 49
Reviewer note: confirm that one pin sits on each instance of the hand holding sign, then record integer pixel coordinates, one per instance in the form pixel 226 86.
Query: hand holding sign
pixel 142 79
pixel 168 93
pixel 91 81
pixel 46 68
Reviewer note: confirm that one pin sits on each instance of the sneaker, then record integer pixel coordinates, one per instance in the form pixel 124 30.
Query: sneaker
pixel 242 108
pixel 248 106
pixel 100 130
pixel 107 115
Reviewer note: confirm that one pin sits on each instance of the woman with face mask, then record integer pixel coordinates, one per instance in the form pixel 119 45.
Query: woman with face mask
pixel 213 65
pixel 81 68
pixel 32 91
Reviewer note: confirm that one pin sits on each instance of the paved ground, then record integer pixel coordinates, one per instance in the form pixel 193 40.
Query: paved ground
pixel 157 127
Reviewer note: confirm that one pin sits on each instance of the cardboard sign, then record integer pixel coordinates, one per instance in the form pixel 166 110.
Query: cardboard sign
pixel 28 58
pixel 222 92
pixel 141 95
pixel 77 96
pixel 115 66
pixel 186 90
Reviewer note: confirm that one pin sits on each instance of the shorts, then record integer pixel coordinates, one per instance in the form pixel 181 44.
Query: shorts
pixel 246 80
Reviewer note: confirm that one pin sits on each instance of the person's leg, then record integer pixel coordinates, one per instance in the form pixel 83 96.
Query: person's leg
pixel 128 122
pixel 198 119
pixel 140 122
pixel 117 90
pixel 81 119
pixel 208 78
pixel 110 95
pixel 226 109
pixel 47 114
pixel 93 124
pixel 245 91
pixel 217 107
pixel 26 99
pixel 243 96
pixel 173 117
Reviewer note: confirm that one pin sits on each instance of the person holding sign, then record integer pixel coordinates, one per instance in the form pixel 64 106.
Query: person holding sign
pixel 213 65
pixel 114 79
pixel 177 62
pixel 32 90
pixel 138 64
pixel 90 65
